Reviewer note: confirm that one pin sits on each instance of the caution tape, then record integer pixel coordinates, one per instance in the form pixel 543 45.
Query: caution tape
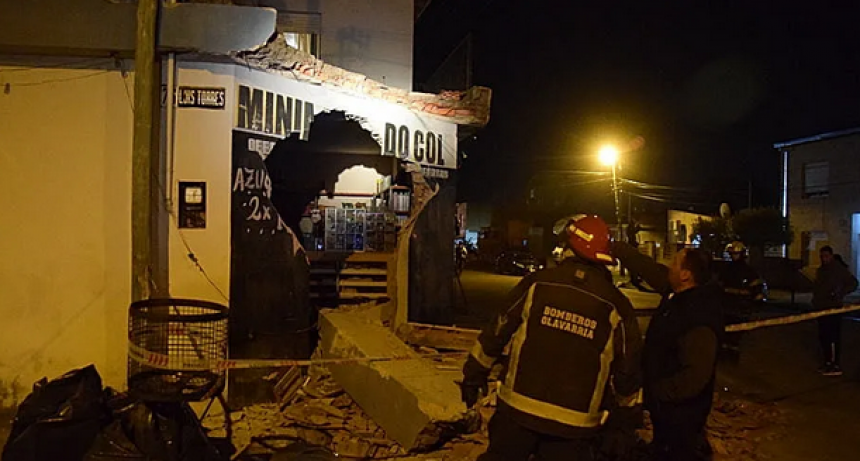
pixel 789 319
pixel 166 362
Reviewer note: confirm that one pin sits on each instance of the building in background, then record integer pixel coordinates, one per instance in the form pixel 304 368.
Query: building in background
pixel 680 226
pixel 821 195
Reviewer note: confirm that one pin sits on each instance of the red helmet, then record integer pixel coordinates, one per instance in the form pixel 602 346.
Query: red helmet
pixel 588 237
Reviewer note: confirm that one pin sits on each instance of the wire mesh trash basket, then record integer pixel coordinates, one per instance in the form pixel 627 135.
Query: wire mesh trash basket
pixel 173 344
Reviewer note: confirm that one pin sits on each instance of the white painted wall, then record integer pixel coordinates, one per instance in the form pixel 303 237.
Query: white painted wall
pixel 358 180
pixel 203 152
pixel 371 37
pixel 687 219
pixel 65 238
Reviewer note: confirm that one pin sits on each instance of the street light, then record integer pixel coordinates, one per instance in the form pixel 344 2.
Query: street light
pixel 608 156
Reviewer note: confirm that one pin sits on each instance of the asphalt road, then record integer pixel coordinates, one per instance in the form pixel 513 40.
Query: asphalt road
pixel 484 292
pixel 777 365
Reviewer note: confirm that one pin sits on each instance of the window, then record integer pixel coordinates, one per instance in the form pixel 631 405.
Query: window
pixel 308 43
pixel 301 30
pixel 816 178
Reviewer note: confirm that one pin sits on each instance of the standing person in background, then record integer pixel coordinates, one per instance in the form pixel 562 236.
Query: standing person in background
pixel 745 290
pixel 832 282
pixel 633 239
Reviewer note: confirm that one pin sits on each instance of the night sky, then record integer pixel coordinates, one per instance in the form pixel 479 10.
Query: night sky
pixel 710 88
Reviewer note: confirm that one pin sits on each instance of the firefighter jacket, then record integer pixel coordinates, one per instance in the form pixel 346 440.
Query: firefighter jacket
pixel 573 340
pixel 742 282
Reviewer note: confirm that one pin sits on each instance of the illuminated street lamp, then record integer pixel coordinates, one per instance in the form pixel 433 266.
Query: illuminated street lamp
pixel 608 156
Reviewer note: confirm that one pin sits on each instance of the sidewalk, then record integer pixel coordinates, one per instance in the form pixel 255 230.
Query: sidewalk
pixel 778 365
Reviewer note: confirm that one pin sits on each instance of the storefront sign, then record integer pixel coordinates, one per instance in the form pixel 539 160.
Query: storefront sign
pixel 281 107
pixel 425 147
pixel 196 97
pixel 436 173
pixel 273 114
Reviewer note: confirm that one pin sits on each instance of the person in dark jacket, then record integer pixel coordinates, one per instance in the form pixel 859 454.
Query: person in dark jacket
pixel 745 290
pixel 832 282
pixel 680 353
pixel 574 356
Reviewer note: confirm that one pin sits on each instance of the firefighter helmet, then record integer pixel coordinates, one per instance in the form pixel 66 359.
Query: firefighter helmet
pixel 736 247
pixel 587 236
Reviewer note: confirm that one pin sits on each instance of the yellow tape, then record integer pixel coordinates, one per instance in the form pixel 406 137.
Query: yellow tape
pixel 789 319
pixel 166 362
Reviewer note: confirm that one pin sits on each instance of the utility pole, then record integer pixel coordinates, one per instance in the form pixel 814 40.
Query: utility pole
pixel 145 161
pixel 615 191
pixel 629 209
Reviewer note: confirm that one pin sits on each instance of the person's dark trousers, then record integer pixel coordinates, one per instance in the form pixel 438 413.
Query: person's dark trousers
pixel 675 441
pixel 511 442
pixel 731 347
pixel 830 335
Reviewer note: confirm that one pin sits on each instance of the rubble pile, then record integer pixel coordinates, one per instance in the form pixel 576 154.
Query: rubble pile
pixel 736 427
pixel 320 413
pixel 316 410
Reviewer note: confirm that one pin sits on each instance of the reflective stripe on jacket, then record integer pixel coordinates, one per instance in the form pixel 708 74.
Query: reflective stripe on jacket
pixel 573 336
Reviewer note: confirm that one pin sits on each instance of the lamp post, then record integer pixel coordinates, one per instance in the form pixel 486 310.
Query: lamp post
pixel 608 156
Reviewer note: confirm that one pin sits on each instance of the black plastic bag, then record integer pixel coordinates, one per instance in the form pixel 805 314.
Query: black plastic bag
pixel 301 451
pixel 59 420
pixel 112 444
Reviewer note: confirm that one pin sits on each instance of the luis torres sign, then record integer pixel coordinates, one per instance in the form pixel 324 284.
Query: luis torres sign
pixel 401 133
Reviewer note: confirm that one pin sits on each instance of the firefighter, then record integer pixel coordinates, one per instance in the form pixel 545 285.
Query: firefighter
pixel 744 290
pixel 572 383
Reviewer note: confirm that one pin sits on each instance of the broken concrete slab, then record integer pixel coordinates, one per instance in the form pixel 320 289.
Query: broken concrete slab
pixel 438 337
pixel 417 405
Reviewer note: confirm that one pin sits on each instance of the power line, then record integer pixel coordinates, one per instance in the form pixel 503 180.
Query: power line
pixel 668 200
pixel 57 80
pixel 584 183
pixel 67 65
pixel 656 186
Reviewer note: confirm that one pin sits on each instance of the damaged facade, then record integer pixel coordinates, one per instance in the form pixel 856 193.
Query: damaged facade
pixel 65 150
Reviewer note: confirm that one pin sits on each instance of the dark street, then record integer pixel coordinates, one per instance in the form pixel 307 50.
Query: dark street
pixel 777 366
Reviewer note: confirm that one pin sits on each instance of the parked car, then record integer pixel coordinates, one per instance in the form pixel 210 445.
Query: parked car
pixel 517 263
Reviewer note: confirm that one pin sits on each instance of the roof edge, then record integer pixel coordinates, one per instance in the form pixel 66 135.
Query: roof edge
pixel 470 107
pixel 818 137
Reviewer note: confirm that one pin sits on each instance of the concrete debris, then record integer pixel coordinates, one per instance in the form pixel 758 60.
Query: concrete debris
pixel 322 414
pixel 439 337
pixel 470 107
pixel 418 404
pixel 736 428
